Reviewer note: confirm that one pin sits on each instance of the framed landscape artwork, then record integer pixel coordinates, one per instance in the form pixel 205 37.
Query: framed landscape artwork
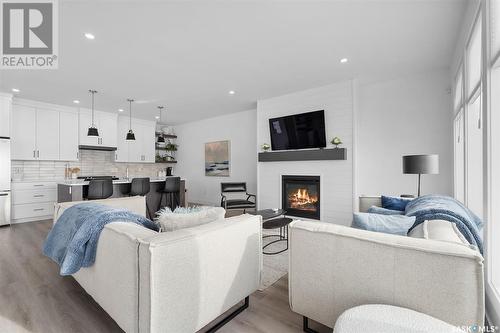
pixel 217 159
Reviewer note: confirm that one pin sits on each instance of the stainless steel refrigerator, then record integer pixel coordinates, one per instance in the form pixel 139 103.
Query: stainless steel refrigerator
pixel 4 181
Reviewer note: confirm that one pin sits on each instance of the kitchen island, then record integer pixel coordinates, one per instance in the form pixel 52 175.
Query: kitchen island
pixel 76 190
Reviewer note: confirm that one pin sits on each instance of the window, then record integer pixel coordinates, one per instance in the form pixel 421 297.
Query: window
pixel 473 54
pixel 495 28
pixel 474 157
pixel 459 85
pixel 459 155
pixel 493 228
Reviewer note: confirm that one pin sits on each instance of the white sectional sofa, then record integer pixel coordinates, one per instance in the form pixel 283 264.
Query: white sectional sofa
pixel 173 281
pixel 433 271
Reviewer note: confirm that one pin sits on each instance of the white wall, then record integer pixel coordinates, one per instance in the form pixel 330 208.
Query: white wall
pixel 336 176
pixel 410 115
pixel 239 128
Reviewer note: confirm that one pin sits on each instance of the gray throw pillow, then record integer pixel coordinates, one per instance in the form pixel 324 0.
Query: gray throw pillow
pixel 390 224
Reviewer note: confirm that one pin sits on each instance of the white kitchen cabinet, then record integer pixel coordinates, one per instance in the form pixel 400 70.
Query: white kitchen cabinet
pixel 142 149
pixel 106 124
pixel 47 134
pixel 107 128
pixel 122 151
pixel 43 133
pixel 84 124
pixel 68 134
pixel 33 201
pixel 23 135
pixel 149 141
pixel 5 114
pixel 135 147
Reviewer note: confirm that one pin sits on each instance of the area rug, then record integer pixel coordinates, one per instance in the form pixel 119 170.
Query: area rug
pixel 274 266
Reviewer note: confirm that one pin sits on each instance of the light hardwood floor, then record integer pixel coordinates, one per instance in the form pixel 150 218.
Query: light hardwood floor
pixel 35 298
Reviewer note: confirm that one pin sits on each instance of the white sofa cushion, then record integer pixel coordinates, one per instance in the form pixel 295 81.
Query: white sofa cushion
pixel 380 318
pixel 182 218
pixel 439 230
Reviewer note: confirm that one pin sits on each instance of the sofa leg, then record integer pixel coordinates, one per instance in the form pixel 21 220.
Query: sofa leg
pixel 233 314
pixel 305 326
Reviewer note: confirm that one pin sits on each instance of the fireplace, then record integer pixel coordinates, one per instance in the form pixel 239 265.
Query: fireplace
pixel 300 196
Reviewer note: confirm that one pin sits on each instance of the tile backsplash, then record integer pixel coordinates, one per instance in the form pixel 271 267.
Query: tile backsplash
pixel 91 163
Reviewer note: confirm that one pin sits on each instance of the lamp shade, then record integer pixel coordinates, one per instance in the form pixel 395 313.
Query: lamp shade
pixel 130 136
pixel 421 164
pixel 92 131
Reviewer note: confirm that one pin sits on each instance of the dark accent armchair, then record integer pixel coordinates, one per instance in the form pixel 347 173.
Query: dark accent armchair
pixel 242 203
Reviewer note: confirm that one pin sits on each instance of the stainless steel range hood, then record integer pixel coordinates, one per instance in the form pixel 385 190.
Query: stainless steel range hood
pixel 101 148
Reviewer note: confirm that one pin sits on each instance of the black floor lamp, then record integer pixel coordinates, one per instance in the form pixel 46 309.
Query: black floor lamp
pixel 420 165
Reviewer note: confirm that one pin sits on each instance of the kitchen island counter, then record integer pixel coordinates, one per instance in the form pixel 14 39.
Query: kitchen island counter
pixel 77 189
pixel 81 182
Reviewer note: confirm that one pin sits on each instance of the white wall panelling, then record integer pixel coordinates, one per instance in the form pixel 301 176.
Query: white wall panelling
pixel 336 176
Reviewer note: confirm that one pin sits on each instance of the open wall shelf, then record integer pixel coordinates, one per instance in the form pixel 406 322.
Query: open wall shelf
pixel 304 155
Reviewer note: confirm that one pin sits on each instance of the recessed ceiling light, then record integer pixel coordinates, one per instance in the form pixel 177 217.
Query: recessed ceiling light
pixel 76 101
pixel 15 90
pixel 232 92
pixel 120 110
pixel 157 117
pixel 88 35
pixel 344 60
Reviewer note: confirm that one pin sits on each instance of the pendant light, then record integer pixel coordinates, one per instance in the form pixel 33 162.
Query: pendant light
pixel 92 129
pixel 161 139
pixel 130 134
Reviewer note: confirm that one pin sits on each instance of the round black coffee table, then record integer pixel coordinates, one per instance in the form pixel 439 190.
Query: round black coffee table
pixel 268 213
pixel 281 223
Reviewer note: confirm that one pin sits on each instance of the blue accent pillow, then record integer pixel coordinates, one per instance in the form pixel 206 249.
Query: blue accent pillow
pixel 389 224
pixel 394 203
pixel 384 211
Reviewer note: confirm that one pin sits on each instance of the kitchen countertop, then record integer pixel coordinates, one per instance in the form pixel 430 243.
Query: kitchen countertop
pixel 81 182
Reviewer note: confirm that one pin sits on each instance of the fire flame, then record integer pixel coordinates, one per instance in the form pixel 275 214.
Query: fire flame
pixel 302 199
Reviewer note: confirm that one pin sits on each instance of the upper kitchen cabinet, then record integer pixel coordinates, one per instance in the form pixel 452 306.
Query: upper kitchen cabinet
pixel 5 114
pixel 23 133
pixel 42 131
pixel 85 120
pixel 107 128
pixel 68 134
pixel 142 149
pixel 106 124
pixel 47 139
pixel 122 151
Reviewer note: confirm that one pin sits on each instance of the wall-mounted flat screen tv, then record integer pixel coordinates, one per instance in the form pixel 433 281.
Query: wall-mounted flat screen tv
pixel 298 131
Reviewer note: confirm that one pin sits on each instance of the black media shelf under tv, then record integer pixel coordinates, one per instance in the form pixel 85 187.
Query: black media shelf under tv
pixel 304 155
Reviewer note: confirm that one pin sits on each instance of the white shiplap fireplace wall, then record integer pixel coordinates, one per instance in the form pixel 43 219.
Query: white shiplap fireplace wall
pixel 336 176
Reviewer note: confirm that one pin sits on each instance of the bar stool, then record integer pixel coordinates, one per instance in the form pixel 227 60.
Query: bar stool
pixel 141 186
pixel 100 189
pixel 172 192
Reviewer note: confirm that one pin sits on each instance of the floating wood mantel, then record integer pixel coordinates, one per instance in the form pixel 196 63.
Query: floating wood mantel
pixel 304 155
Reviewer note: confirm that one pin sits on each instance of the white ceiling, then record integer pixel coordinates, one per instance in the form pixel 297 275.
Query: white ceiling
pixel 188 55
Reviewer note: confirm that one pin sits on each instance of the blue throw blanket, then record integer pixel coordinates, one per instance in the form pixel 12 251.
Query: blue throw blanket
pixel 72 242
pixel 436 207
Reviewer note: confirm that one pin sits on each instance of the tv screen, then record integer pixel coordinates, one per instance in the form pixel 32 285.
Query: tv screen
pixel 298 131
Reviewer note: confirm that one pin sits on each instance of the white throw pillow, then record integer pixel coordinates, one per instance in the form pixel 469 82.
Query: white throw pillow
pixel 189 217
